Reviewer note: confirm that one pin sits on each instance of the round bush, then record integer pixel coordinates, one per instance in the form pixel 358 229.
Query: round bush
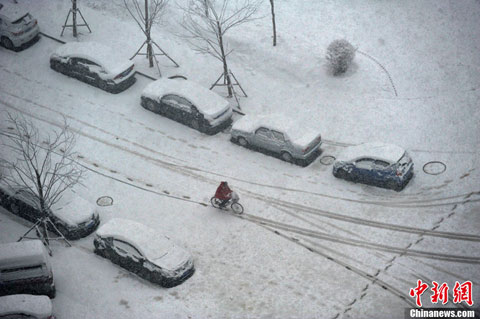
pixel 340 54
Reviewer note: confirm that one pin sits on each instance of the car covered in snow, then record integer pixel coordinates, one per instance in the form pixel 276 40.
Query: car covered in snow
pixel 377 164
pixel 143 251
pixel 278 136
pixel 17 27
pixel 188 103
pixel 73 216
pixel 25 269
pixel 95 64
pixel 26 307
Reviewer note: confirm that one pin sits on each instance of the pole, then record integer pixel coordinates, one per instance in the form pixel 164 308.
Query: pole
pixel 74 17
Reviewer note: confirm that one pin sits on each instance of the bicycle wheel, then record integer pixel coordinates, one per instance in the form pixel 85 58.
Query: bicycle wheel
pixel 237 208
pixel 215 202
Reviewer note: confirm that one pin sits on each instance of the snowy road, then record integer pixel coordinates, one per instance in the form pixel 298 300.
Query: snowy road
pixel 309 245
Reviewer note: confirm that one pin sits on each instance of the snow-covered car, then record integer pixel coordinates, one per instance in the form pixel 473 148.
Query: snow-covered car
pixel 73 216
pixel 278 136
pixel 377 164
pixel 143 251
pixel 188 103
pixel 95 64
pixel 17 27
pixel 25 269
pixel 26 307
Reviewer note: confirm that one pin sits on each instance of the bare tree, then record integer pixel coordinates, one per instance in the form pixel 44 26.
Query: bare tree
pixel 146 16
pixel 40 165
pixel 207 21
pixel 274 25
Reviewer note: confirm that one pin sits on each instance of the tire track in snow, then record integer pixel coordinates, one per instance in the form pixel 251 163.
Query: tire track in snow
pixel 399 204
pixel 188 171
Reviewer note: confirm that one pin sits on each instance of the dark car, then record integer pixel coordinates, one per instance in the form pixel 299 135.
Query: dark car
pixel 95 64
pixel 279 136
pixel 376 164
pixel 188 103
pixel 25 269
pixel 74 217
pixel 143 251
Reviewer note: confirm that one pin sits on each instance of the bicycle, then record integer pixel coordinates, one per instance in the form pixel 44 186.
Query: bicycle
pixel 236 207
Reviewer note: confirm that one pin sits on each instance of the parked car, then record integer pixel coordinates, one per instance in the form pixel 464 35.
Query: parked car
pixel 188 103
pixel 143 251
pixel 26 307
pixel 377 164
pixel 25 269
pixel 95 64
pixel 17 27
pixel 73 216
pixel 278 136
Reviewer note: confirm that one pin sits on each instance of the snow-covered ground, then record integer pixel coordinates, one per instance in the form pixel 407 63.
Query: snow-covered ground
pixel 309 245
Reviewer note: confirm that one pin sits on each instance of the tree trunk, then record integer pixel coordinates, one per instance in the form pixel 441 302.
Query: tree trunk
pixel 74 17
pixel 273 23
pixel 226 74
pixel 149 40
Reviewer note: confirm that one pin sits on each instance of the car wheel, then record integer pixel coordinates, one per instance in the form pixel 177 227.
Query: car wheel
pixel 242 141
pixel 150 105
pixel 102 84
pixel 340 173
pixel 7 43
pixel 195 124
pixel 287 157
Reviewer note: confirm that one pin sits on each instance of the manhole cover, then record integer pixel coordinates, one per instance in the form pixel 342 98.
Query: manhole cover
pixel 434 168
pixel 327 160
pixel 105 201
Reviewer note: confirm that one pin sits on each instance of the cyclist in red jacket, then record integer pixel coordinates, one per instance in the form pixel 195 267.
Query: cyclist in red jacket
pixel 223 193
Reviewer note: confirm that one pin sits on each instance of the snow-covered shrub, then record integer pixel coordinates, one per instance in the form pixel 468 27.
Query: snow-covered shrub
pixel 340 54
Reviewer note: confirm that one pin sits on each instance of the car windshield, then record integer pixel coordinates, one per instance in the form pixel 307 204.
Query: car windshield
pixel 405 159
pixel 25 18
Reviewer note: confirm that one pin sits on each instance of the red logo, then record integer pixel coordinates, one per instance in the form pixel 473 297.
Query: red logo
pixel 461 292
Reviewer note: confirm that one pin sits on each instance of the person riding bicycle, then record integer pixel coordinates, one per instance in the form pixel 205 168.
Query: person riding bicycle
pixel 223 193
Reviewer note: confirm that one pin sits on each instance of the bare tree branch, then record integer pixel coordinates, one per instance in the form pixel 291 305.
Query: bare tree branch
pixel 206 22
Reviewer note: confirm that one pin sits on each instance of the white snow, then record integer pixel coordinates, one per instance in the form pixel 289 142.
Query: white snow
pixel 297 132
pixel 156 247
pixel 243 270
pixel 96 52
pixel 74 209
pixel 207 102
pixel 38 306
pixel 375 150
pixel 12 12
pixel 22 253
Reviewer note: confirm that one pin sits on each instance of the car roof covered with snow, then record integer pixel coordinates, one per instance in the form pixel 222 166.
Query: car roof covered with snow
pixel 152 245
pixel 23 253
pixel 95 52
pixel 298 132
pixel 38 306
pixel 71 208
pixel 376 150
pixel 206 101
pixel 12 11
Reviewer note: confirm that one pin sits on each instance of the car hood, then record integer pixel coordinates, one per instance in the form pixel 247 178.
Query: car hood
pixel 38 306
pixel 74 210
pixel 173 259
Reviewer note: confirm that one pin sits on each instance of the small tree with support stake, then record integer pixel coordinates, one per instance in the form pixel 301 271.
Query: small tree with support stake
pixel 73 10
pixel 145 18
pixel 40 166
pixel 207 21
